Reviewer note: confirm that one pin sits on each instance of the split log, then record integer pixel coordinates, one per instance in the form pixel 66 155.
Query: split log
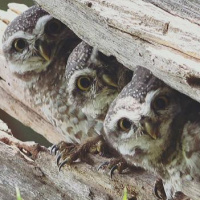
pixel 12 98
pixel 140 33
pixel 38 177
pixel 186 9
pixel 28 117
pixel 166 44
pixel 39 172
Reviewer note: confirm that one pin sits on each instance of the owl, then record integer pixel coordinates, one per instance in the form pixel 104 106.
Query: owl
pixel 33 39
pixel 94 80
pixel 36 47
pixel 156 127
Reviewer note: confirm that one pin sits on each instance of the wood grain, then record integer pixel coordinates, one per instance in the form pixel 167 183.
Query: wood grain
pixel 137 33
pixel 39 178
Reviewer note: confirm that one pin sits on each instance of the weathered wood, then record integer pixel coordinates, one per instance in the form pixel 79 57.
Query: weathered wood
pixel 14 10
pixel 28 117
pixel 78 182
pixel 39 178
pixel 137 33
pixel 17 8
pixel 135 36
pixel 12 102
pixel 188 9
pixel 12 97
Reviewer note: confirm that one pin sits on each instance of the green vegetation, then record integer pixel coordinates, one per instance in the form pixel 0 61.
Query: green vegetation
pixel 18 194
pixel 125 196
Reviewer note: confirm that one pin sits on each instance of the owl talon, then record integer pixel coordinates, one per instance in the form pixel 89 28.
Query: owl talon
pixel 69 152
pixel 106 163
pixel 115 167
pixel 114 164
pixel 63 163
pixel 156 193
pixel 159 190
pixel 58 158
pixel 53 149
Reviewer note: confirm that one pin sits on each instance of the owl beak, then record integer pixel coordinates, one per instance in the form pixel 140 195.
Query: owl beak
pixel 151 130
pixel 109 81
pixel 44 51
pixel 149 127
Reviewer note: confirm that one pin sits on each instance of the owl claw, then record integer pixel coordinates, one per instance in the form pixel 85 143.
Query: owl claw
pixel 54 149
pixel 58 158
pixel 103 164
pixel 112 170
pixel 157 194
pixel 159 190
pixel 70 152
pixel 114 164
pixel 63 163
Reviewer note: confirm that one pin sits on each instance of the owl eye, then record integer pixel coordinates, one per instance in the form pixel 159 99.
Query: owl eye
pixel 84 83
pixel 53 27
pixel 19 45
pixel 161 103
pixel 124 124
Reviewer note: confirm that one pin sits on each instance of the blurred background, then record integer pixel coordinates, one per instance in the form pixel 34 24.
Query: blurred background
pixel 4 3
pixel 20 131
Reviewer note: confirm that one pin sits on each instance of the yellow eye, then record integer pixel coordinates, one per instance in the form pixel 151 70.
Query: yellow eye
pixel 19 44
pixel 54 27
pixel 161 103
pixel 84 83
pixel 124 124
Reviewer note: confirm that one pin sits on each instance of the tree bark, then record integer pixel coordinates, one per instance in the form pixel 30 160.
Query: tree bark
pixel 140 33
pixel 33 170
pixel 12 96
pixel 166 41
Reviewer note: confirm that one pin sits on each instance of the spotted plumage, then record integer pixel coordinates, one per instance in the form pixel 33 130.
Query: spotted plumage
pixel 94 80
pixel 36 47
pixel 157 128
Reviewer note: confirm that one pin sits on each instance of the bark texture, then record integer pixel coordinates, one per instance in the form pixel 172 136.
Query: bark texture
pixel 150 34
pixel 33 170
pixel 161 35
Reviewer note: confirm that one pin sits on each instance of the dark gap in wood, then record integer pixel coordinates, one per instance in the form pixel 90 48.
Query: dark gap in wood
pixel 193 81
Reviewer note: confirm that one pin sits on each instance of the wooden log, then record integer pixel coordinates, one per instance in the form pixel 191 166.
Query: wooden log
pixel 28 117
pixel 187 9
pixel 138 33
pixel 39 172
pixel 116 29
pixel 12 96
pixel 38 177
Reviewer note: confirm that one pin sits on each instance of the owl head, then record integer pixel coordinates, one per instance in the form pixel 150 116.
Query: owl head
pixel 144 123
pixel 94 80
pixel 32 40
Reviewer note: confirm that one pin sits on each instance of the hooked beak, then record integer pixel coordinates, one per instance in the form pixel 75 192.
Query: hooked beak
pixel 150 128
pixel 44 51
pixel 109 81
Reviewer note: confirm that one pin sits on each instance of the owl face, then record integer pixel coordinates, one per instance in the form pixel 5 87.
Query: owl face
pixel 140 123
pixel 92 82
pixel 93 90
pixel 31 40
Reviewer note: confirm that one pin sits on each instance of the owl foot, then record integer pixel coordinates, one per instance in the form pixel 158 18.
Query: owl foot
pixel 70 152
pixel 118 164
pixel 159 190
